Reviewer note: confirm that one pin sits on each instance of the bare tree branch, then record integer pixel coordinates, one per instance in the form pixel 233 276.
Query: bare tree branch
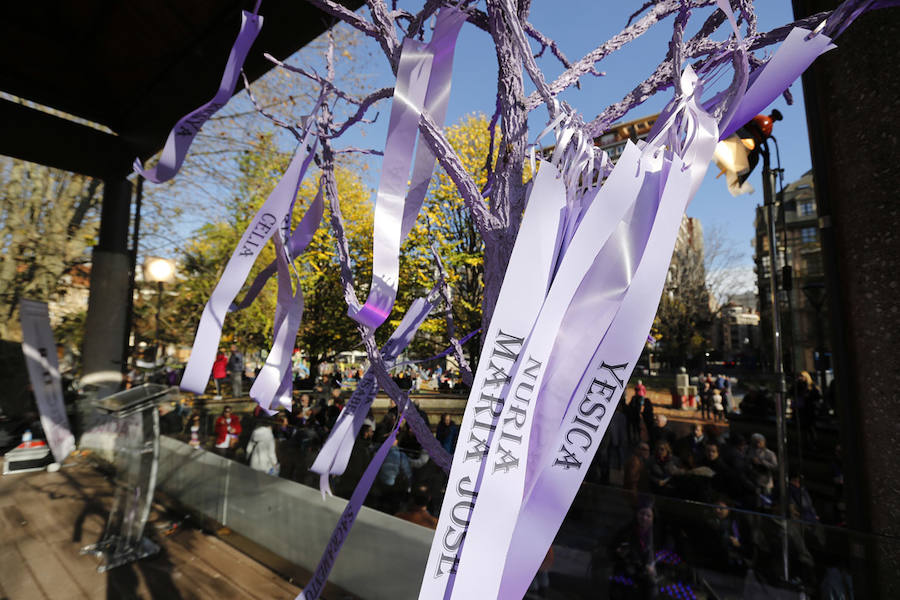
pixel 464 368
pixel 354 149
pixel 268 115
pixel 363 107
pixel 348 16
pixel 524 49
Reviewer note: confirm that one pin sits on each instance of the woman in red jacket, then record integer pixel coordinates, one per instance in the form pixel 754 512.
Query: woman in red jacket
pixel 219 371
pixel 228 429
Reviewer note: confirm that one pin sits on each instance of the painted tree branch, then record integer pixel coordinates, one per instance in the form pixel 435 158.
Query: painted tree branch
pixel 278 122
pixel 521 42
pixel 587 63
pixel 348 16
pixel 444 288
pixel 698 46
pixel 364 106
pixel 451 163
pixel 381 17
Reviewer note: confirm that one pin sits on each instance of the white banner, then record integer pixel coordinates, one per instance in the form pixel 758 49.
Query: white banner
pixel 43 372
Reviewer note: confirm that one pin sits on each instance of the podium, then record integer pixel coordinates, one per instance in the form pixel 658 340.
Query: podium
pixel 136 461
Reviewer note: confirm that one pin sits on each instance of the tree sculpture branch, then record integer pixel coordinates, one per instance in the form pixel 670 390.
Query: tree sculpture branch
pixel 444 288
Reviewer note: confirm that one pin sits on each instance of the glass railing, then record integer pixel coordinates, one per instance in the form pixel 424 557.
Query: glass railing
pixel 700 530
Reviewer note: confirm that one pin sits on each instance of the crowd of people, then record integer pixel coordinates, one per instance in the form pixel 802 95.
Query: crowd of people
pixel 285 444
pixel 733 475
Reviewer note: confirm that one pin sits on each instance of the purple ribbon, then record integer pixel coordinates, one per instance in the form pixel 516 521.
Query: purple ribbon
pixel 423 84
pixel 792 58
pixel 525 285
pixel 446 352
pixel 335 453
pixel 187 128
pixel 598 267
pixel 267 220
pixel 598 391
pixel 299 240
pixel 42 365
pixel 348 517
pixel 546 501
pixel 268 388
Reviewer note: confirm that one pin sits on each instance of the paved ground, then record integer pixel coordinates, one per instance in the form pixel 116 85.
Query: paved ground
pixel 45 518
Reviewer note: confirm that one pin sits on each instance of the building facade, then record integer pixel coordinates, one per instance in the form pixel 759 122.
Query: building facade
pixel 799 279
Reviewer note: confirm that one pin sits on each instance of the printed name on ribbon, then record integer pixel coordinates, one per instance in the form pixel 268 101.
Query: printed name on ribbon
pixel 572 441
pixel 187 128
pixel 297 244
pixel 595 398
pixel 273 386
pixel 608 249
pixel 521 297
pixel 423 84
pixel 43 373
pixel 267 220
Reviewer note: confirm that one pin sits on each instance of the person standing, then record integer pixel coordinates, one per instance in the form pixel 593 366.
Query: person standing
pixel 219 371
pixel 447 433
pixel 706 406
pixel 228 429
pixel 236 369
pixel 640 418
pixel 194 431
pixel 262 450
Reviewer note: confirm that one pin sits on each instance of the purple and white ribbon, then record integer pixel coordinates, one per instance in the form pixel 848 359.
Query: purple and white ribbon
pixel 297 244
pixel 601 386
pixel 267 220
pixel 607 247
pixel 42 364
pixel 348 517
pixel 335 453
pixel 524 288
pixel 796 53
pixel 423 84
pixel 635 313
pixel 187 128
pixel 269 388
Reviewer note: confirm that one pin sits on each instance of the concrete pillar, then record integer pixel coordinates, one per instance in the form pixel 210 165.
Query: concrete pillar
pixel 853 102
pixel 107 318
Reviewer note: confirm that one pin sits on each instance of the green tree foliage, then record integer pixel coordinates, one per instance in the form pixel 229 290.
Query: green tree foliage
pixel 684 318
pixel 445 224
pixel 326 329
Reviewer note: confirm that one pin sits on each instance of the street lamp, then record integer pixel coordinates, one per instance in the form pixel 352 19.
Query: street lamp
pixel 737 156
pixel 160 271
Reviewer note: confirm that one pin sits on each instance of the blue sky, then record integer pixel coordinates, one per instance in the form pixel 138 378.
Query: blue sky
pixel 581 25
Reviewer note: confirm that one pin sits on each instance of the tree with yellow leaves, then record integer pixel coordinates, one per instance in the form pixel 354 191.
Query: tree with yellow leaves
pixel 326 328
pixel 444 224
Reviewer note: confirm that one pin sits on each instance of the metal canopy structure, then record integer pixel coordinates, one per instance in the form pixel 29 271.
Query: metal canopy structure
pixel 133 67
pixel 87 86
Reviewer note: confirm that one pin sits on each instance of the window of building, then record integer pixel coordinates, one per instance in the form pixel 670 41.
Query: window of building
pixel 806 208
pixel 814 264
pixel 808 235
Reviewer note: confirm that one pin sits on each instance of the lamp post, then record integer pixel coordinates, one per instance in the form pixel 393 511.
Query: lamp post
pixel 158 270
pixel 737 156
